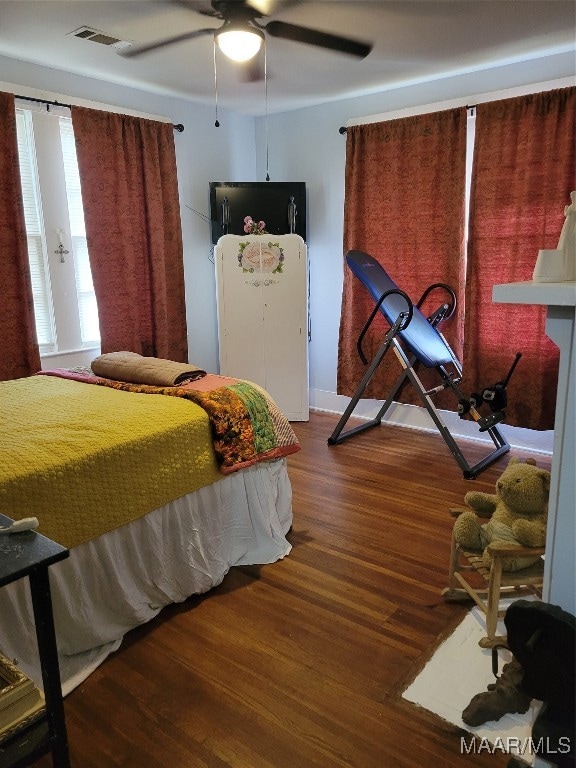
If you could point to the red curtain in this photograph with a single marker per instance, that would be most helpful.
(130, 195)
(404, 205)
(20, 356)
(524, 171)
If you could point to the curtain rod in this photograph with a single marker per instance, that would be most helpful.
(178, 127)
(342, 130)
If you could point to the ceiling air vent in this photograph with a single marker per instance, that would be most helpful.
(95, 36)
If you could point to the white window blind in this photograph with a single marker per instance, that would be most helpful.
(87, 307)
(64, 301)
(43, 310)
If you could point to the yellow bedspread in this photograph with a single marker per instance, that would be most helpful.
(86, 459)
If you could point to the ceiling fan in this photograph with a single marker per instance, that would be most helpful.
(241, 35)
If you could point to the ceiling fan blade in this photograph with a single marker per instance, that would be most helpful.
(321, 39)
(261, 7)
(139, 50)
(268, 7)
(199, 6)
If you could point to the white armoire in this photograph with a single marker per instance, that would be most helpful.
(262, 297)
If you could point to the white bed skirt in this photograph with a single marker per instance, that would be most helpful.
(112, 584)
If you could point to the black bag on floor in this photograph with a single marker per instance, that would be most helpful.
(542, 639)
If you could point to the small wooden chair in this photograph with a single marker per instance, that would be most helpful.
(469, 578)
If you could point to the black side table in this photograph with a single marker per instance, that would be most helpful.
(30, 554)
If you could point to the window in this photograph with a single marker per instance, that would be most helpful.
(64, 299)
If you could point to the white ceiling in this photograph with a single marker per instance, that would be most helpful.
(414, 41)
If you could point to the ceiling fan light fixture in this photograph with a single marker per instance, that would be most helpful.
(239, 43)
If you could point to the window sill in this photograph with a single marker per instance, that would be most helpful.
(68, 352)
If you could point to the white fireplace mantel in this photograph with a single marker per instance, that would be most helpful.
(560, 568)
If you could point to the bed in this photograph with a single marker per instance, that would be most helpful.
(157, 490)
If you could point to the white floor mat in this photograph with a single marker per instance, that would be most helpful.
(458, 671)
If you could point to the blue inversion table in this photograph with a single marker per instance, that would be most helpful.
(415, 339)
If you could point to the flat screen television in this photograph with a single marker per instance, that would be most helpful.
(281, 204)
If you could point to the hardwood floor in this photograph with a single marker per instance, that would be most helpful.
(302, 662)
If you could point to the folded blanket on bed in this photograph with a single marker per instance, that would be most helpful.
(134, 368)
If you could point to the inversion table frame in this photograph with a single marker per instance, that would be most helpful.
(415, 339)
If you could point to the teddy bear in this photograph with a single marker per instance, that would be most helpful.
(518, 513)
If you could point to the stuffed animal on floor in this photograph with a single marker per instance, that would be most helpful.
(518, 513)
(502, 697)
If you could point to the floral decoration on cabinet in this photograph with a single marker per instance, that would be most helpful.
(261, 257)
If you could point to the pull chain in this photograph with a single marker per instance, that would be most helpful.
(266, 103)
(217, 122)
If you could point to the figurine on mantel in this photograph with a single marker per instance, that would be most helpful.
(559, 265)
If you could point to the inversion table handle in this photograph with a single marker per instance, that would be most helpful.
(402, 321)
